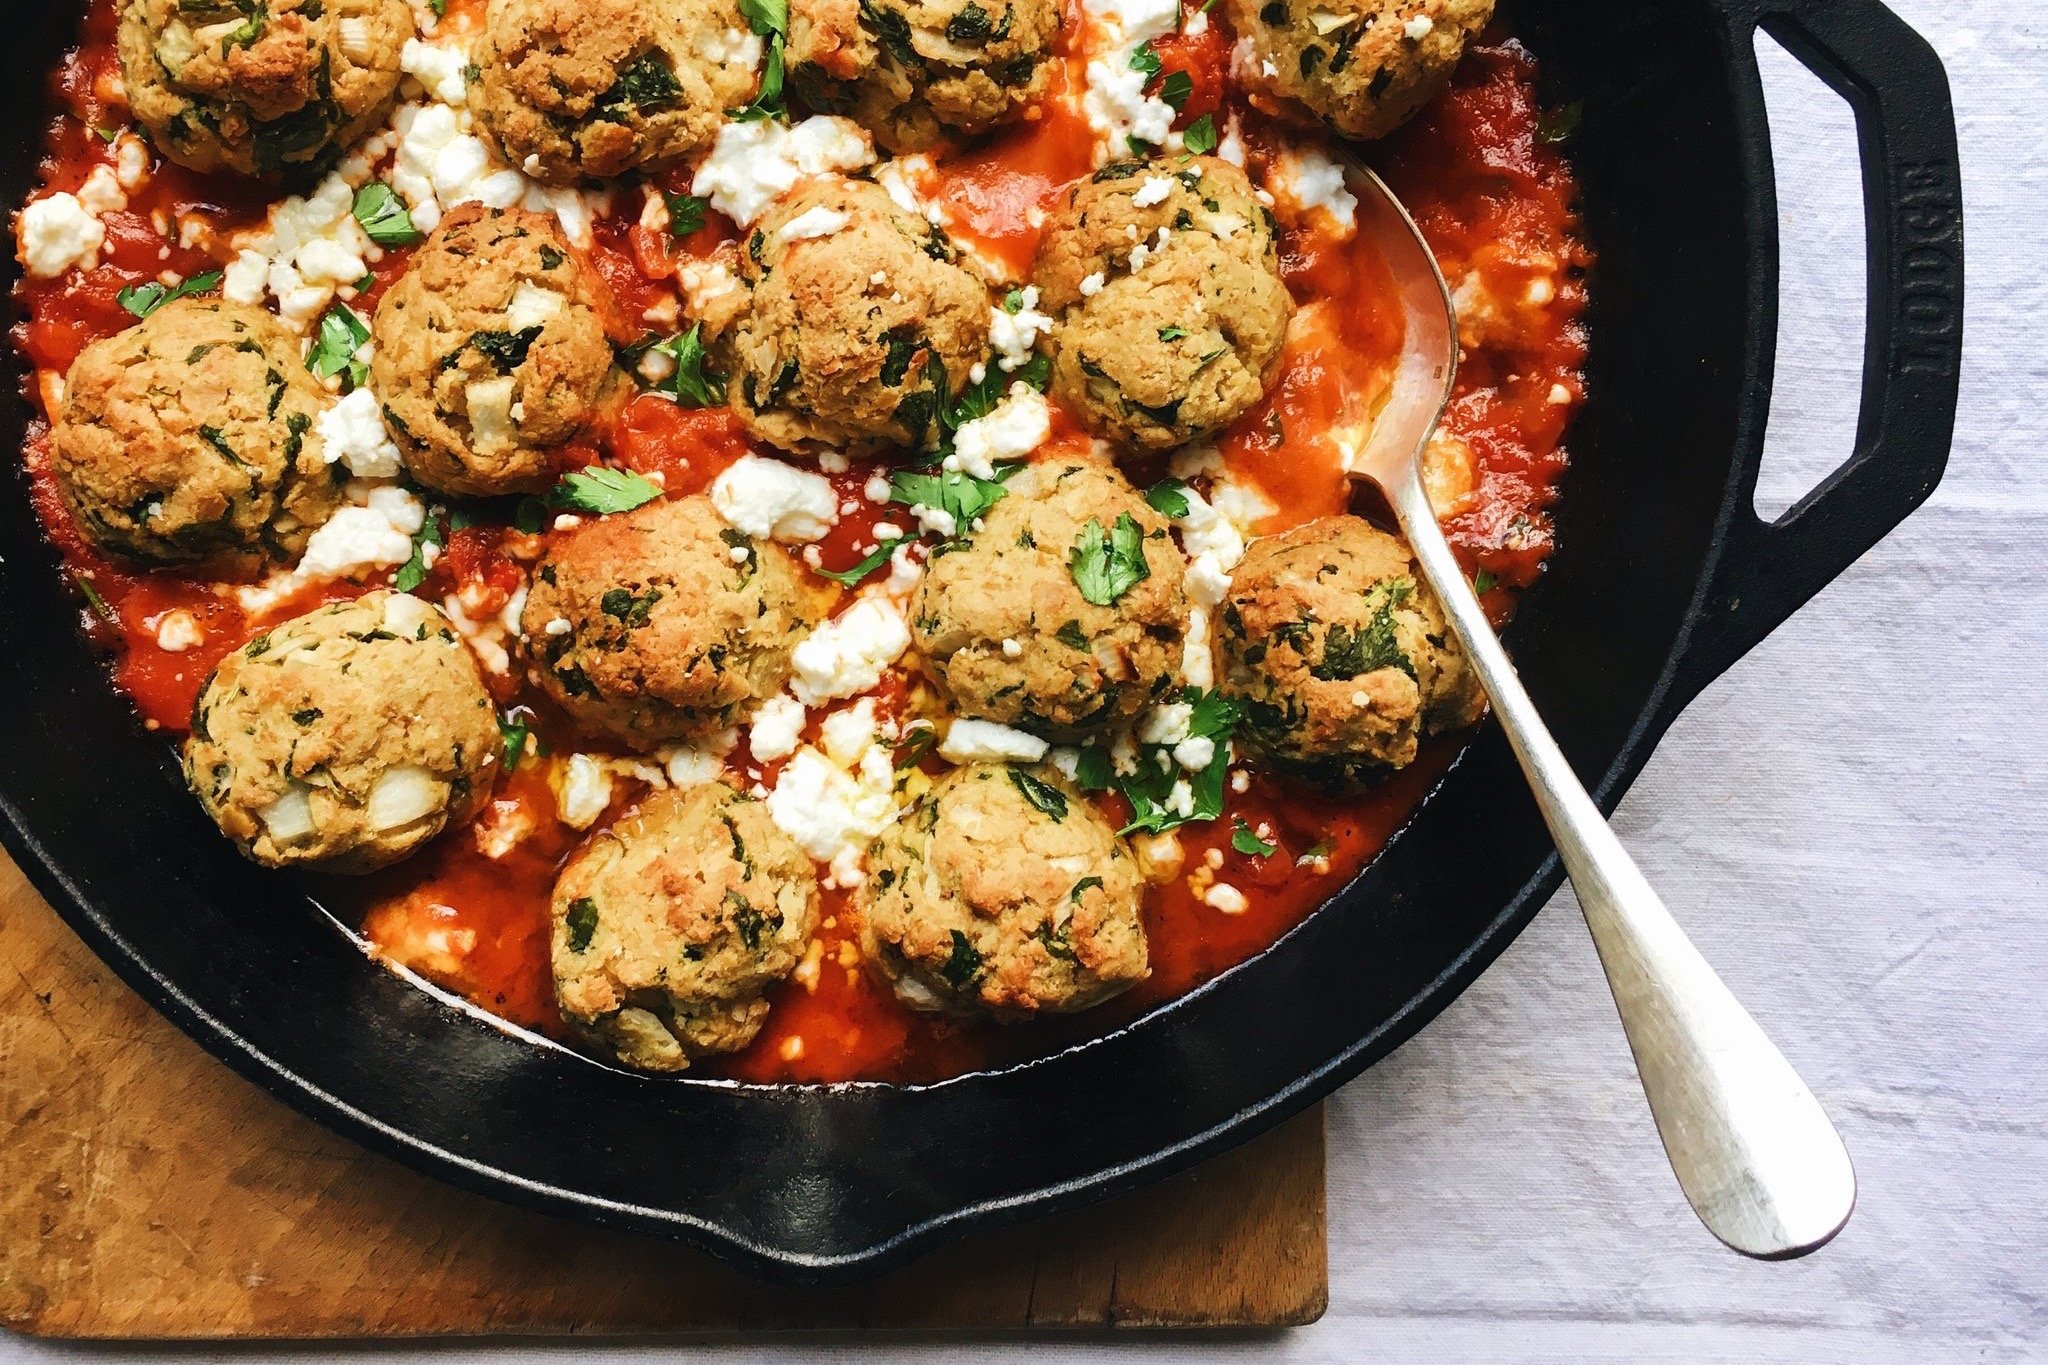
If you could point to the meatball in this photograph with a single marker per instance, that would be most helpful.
(1164, 277)
(492, 354)
(1064, 612)
(919, 73)
(1339, 654)
(1003, 891)
(858, 322)
(344, 738)
(267, 89)
(589, 89)
(665, 623)
(1364, 67)
(669, 926)
(191, 439)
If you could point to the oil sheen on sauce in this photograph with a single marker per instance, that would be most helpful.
(470, 913)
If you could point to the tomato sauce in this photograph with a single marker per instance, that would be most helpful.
(1495, 200)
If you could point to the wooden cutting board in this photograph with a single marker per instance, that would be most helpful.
(147, 1191)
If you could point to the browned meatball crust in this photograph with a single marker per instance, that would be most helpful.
(492, 354)
(921, 73)
(1364, 67)
(1164, 278)
(669, 927)
(1338, 653)
(665, 623)
(345, 738)
(858, 322)
(191, 439)
(270, 89)
(1004, 625)
(1004, 891)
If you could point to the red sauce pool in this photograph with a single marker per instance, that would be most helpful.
(1497, 205)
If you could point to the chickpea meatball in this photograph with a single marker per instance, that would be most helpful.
(492, 353)
(669, 927)
(346, 738)
(266, 89)
(920, 73)
(857, 318)
(1004, 891)
(1065, 612)
(1364, 67)
(589, 89)
(1164, 277)
(190, 439)
(665, 623)
(1339, 654)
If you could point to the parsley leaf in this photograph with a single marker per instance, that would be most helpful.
(693, 385)
(1172, 333)
(1013, 302)
(1200, 136)
(1041, 794)
(341, 334)
(769, 19)
(1176, 88)
(1108, 564)
(1246, 840)
(1484, 582)
(685, 213)
(603, 490)
(384, 217)
(1169, 497)
(513, 728)
(1153, 787)
(915, 744)
(960, 496)
(871, 561)
(963, 965)
(1144, 59)
(144, 299)
(413, 572)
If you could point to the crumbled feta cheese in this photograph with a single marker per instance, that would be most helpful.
(1009, 431)
(352, 433)
(532, 306)
(1197, 663)
(831, 813)
(846, 734)
(937, 520)
(1418, 28)
(354, 541)
(492, 425)
(1314, 181)
(178, 631)
(982, 741)
(1231, 148)
(847, 655)
(768, 498)
(102, 193)
(583, 788)
(56, 233)
(1012, 649)
(753, 163)
(1560, 395)
(1118, 108)
(1135, 20)
(1152, 190)
(777, 728)
(698, 762)
(442, 69)
(730, 47)
(1091, 285)
(1226, 898)
(1013, 336)
(131, 162)
(244, 279)
(815, 221)
(1196, 24)
(1195, 753)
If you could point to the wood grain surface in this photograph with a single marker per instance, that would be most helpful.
(147, 1191)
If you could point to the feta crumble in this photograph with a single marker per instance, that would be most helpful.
(1014, 336)
(1313, 181)
(847, 655)
(352, 433)
(56, 233)
(753, 163)
(767, 498)
(1153, 190)
(1011, 430)
(815, 221)
(777, 728)
(982, 741)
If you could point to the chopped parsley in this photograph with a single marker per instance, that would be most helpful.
(1108, 564)
(869, 562)
(1144, 59)
(1246, 840)
(1484, 582)
(1043, 796)
(694, 384)
(513, 728)
(1169, 497)
(384, 217)
(960, 496)
(582, 921)
(340, 336)
(505, 350)
(645, 83)
(602, 490)
(963, 965)
(769, 19)
(144, 299)
(1176, 88)
(413, 572)
(915, 744)
(1200, 136)
(1154, 787)
(685, 213)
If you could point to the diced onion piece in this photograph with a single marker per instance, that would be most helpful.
(402, 796)
(355, 39)
(289, 818)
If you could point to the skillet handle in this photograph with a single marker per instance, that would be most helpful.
(1906, 127)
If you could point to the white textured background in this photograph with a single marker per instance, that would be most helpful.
(1854, 827)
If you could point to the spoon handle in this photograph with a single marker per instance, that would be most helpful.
(1756, 1155)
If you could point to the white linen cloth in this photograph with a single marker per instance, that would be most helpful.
(1853, 826)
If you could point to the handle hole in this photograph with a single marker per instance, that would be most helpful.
(1822, 293)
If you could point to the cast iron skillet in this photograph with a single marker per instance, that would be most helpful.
(1664, 578)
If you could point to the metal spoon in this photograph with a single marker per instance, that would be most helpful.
(1752, 1148)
